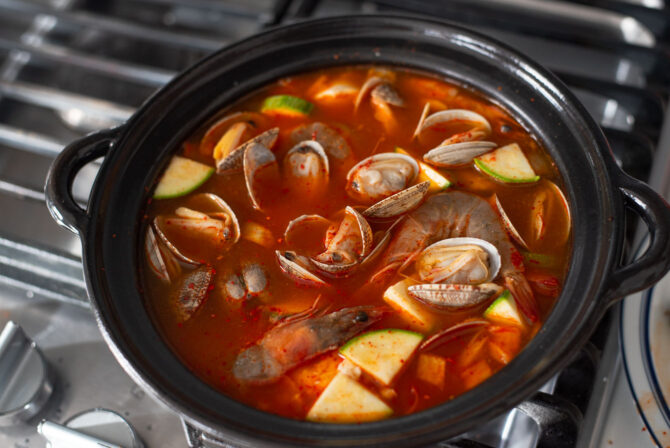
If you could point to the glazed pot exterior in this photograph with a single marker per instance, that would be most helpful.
(112, 226)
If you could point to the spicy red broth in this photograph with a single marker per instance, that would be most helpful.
(275, 318)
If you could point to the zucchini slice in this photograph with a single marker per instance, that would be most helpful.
(286, 105)
(438, 182)
(382, 353)
(507, 164)
(345, 401)
(505, 311)
(181, 177)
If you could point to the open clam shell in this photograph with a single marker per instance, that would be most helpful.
(380, 176)
(377, 249)
(453, 332)
(365, 88)
(457, 154)
(399, 203)
(386, 93)
(233, 161)
(260, 169)
(445, 116)
(508, 224)
(192, 292)
(230, 140)
(450, 261)
(160, 259)
(351, 244)
(307, 164)
(211, 224)
(297, 268)
(330, 139)
(215, 131)
(299, 228)
(453, 296)
(422, 119)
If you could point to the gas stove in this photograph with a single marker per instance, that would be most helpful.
(70, 67)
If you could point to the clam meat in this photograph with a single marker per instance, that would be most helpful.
(298, 268)
(351, 243)
(192, 292)
(232, 160)
(332, 142)
(469, 261)
(380, 176)
(199, 234)
(306, 168)
(250, 282)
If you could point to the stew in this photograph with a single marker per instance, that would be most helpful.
(355, 243)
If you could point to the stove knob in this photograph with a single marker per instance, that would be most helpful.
(25, 377)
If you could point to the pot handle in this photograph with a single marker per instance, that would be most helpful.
(62, 206)
(654, 263)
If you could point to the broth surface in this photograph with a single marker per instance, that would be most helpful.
(210, 340)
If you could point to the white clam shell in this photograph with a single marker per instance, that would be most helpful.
(491, 250)
(445, 116)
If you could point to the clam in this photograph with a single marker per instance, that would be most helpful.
(566, 225)
(215, 132)
(399, 203)
(199, 235)
(380, 241)
(232, 138)
(255, 278)
(250, 282)
(306, 231)
(369, 84)
(233, 160)
(332, 142)
(382, 98)
(456, 154)
(192, 292)
(459, 148)
(234, 287)
(160, 259)
(459, 261)
(336, 91)
(508, 224)
(453, 332)
(422, 118)
(351, 243)
(298, 268)
(453, 296)
(455, 115)
(261, 172)
(380, 176)
(388, 94)
(538, 215)
(306, 166)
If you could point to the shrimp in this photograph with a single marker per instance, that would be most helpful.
(458, 214)
(293, 342)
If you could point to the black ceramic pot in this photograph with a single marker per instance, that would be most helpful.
(135, 153)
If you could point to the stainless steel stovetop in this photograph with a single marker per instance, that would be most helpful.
(69, 67)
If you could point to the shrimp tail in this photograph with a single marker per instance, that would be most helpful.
(523, 295)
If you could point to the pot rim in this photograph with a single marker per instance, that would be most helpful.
(426, 425)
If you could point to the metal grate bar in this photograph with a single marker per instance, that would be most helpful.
(554, 18)
(42, 271)
(21, 191)
(119, 69)
(60, 100)
(113, 25)
(29, 141)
